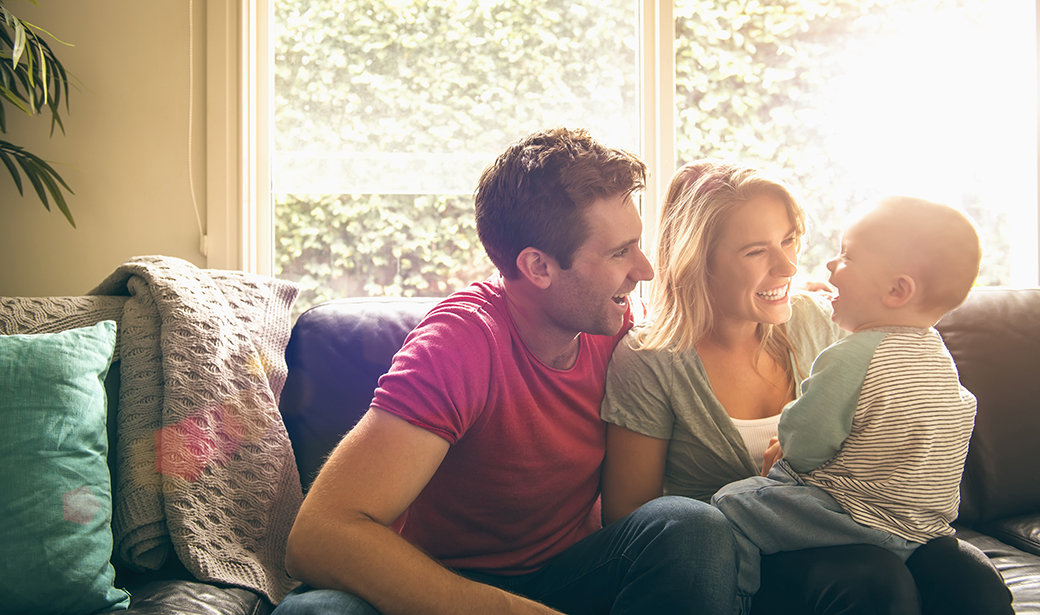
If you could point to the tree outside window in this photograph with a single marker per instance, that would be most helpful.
(386, 111)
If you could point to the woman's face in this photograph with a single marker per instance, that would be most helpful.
(750, 269)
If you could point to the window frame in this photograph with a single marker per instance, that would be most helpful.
(240, 83)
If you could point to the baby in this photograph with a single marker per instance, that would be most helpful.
(874, 448)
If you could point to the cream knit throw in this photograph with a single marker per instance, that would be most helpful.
(204, 461)
(205, 466)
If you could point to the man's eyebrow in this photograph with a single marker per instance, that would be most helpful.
(624, 245)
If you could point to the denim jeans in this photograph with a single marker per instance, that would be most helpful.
(672, 555)
(782, 513)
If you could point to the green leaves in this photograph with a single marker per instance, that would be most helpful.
(44, 179)
(376, 245)
(31, 78)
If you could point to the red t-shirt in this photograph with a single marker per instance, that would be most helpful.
(520, 482)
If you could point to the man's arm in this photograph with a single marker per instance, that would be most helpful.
(340, 539)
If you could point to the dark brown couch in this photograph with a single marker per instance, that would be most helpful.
(339, 349)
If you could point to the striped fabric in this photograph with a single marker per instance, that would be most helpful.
(900, 468)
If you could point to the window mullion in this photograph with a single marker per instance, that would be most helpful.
(657, 105)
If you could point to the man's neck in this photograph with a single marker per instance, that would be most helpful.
(543, 338)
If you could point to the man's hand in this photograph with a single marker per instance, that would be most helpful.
(773, 455)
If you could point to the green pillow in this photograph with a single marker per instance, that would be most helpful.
(55, 490)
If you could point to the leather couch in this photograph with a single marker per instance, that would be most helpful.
(339, 349)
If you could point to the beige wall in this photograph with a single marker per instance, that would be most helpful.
(125, 151)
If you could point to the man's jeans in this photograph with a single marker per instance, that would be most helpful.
(782, 513)
(672, 555)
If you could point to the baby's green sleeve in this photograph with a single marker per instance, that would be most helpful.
(814, 426)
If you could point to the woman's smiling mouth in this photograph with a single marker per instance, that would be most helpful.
(775, 294)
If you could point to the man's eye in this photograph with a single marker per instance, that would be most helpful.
(621, 254)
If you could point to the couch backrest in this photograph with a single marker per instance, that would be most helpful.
(339, 349)
(994, 338)
(337, 352)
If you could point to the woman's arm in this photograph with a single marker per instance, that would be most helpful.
(633, 471)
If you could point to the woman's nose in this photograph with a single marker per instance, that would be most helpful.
(785, 266)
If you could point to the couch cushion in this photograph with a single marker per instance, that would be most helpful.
(1021, 571)
(1021, 532)
(55, 489)
(995, 340)
(337, 352)
(183, 597)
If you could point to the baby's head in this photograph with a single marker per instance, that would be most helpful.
(904, 261)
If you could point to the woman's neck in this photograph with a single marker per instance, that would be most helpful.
(747, 381)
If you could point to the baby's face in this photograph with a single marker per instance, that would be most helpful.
(861, 273)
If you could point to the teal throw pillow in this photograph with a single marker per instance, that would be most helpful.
(55, 488)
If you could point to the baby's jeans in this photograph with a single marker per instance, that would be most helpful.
(781, 513)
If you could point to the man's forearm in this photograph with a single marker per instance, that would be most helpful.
(374, 563)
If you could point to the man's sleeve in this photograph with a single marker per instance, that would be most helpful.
(440, 379)
(814, 426)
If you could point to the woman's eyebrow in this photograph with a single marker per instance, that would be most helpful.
(793, 231)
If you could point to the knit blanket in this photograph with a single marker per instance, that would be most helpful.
(204, 464)
(205, 468)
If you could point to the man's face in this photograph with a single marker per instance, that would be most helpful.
(592, 296)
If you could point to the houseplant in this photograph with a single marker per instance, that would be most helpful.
(31, 80)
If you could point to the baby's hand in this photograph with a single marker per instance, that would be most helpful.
(773, 454)
(816, 286)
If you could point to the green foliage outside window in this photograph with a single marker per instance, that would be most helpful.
(448, 76)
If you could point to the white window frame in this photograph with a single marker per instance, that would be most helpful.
(240, 82)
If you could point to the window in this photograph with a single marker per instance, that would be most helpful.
(384, 113)
(855, 99)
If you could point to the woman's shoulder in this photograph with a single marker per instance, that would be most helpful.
(811, 309)
(810, 303)
(811, 328)
(632, 348)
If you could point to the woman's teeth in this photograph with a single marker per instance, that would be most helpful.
(774, 295)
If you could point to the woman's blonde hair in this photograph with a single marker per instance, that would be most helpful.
(700, 200)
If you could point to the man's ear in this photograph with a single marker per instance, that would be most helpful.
(536, 267)
(901, 291)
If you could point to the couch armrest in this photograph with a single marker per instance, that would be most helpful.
(337, 352)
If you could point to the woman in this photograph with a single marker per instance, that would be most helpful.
(694, 395)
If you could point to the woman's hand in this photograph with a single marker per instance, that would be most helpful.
(773, 455)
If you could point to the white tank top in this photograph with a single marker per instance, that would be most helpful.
(757, 433)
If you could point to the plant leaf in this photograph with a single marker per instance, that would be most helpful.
(12, 169)
(32, 173)
(19, 40)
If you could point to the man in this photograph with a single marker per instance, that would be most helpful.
(472, 483)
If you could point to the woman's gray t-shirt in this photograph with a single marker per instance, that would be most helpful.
(665, 395)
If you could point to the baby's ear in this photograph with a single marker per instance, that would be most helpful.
(901, 291)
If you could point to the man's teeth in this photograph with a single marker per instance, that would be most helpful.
(773, 295)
